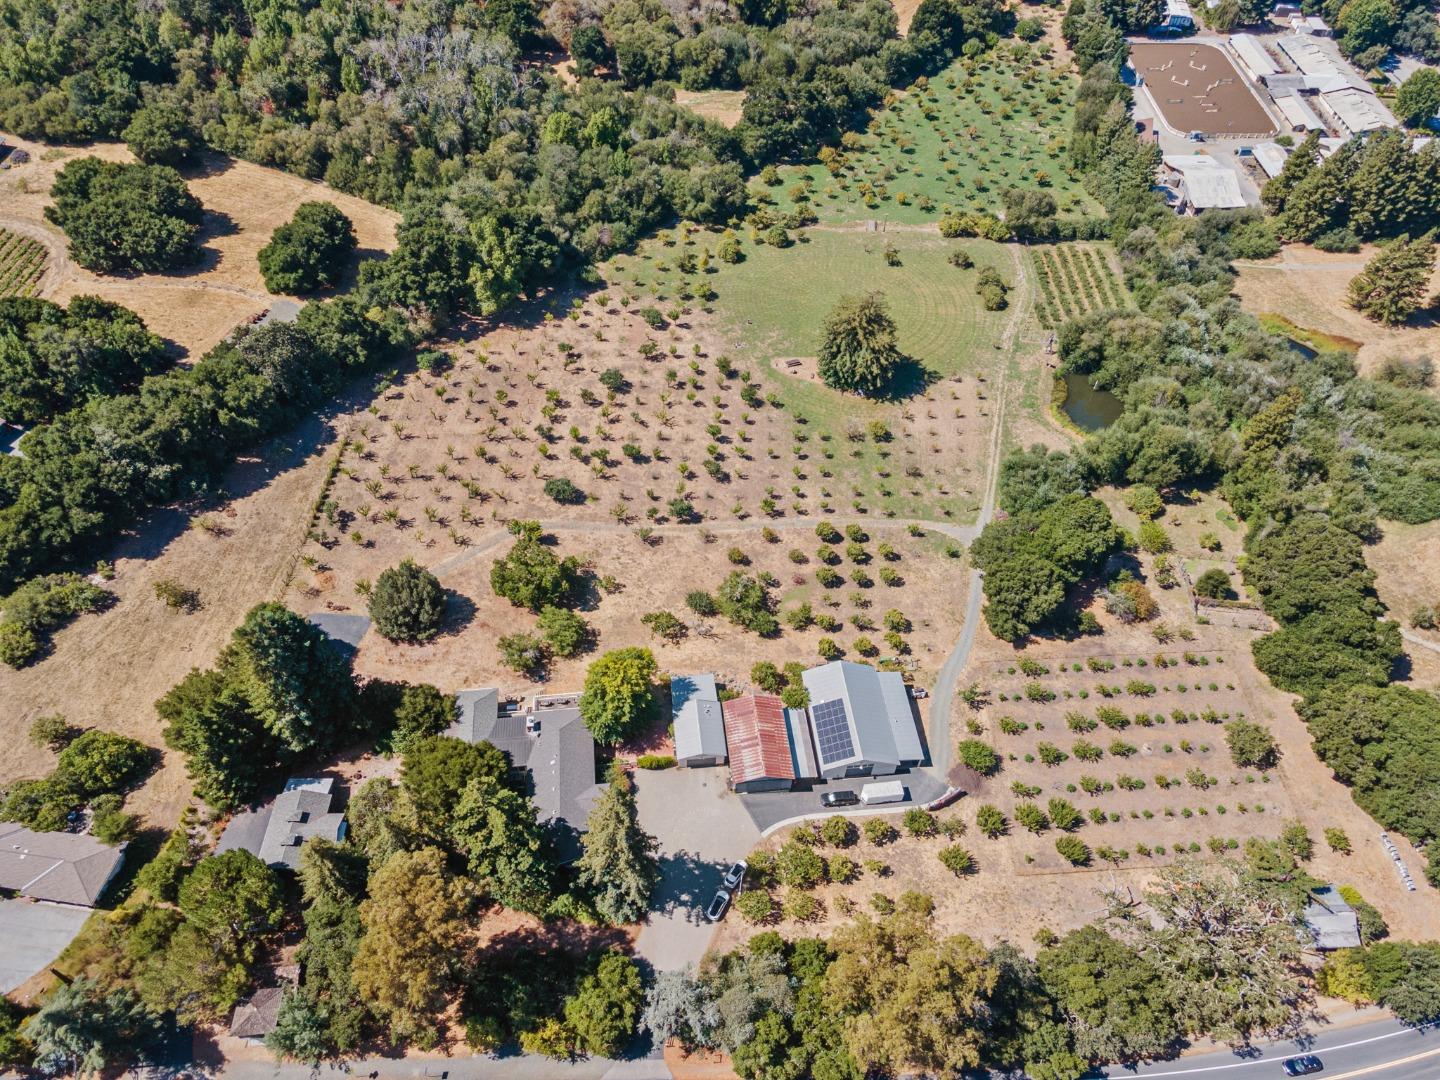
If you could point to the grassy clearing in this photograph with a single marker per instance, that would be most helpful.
(771, 306)
(952, 143)
(22, 261)
(1074, 280)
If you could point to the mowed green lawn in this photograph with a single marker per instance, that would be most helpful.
(773, 305)
(777, 298)
(954, 142)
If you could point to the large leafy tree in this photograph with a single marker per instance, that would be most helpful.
(913, 1001)
(406, 963)
(407, 602)
(1225, 950)
(618, 865)
(496, 828)
(858, 351)
(310, 251)
(1418, 100)
(1114, 999)
(1033, 557)
(619, 694)
(606, 1005)
(531, 575)
(55, 358)
(82, 1030)
(125, 217)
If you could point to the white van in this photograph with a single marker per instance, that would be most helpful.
(889, 791)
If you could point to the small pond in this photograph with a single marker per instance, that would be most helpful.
(1090, 409)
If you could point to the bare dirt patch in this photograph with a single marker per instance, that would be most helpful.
(197, 307)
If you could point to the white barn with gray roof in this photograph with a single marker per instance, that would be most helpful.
(698, 721)
(862, 721)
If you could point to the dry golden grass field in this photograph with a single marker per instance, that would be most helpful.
(1308, 287)
(196, 307)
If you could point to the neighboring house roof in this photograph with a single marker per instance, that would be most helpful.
(755, 733)
(698, 720)
(475, 711)
(850, 714)
(550, 742)
(63, 867)
(258, 1015)
(1271, 158)
(275, 832)
(1209, 184)
(1332, 922)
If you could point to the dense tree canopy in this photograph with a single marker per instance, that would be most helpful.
(1033, 557)
(53, 358)
(126, 217)
(310, 251)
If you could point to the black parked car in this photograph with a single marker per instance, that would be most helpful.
(839, 798)
(1302, 1066)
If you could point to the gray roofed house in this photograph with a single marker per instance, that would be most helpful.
(62, 867)
(1332, 922)
(862, 723)
(258, 1015)
(475, 710)
(276, 831)
(552, 744)
(698, 721)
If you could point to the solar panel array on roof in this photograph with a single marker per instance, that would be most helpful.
(832, 729)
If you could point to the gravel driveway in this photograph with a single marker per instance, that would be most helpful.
(702, 829)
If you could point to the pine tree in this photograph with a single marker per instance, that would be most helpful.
(1300, 164)
(497, 829)
(1392, 286)
(619, 861)
(857, 349)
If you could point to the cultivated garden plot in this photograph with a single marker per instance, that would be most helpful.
(22, 262)
(952, 143)
(1128, 753)
(1075, 280)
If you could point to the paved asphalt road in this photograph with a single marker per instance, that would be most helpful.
(1379, 1050)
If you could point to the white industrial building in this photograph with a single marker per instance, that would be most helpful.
(1298, 114)
(1253, 57)
(1270, 157)
(1197, 182)
(1355, 112)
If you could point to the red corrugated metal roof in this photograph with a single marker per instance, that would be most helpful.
(755, 737)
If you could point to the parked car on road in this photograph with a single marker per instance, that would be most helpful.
(839, 798)
(1302, 1066)
(716, 911)
(918, 692)
(735, 875)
